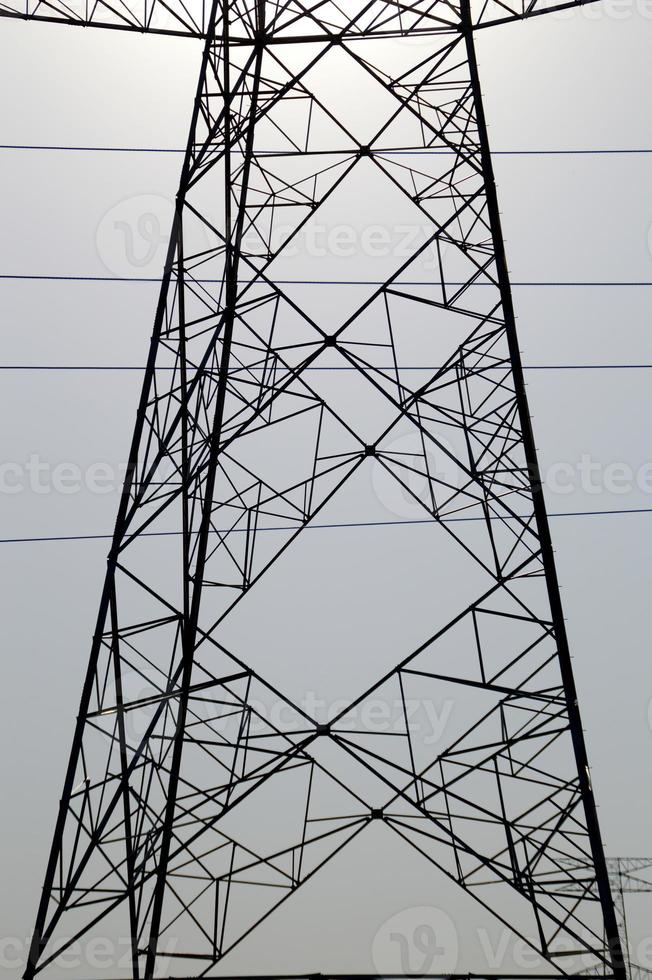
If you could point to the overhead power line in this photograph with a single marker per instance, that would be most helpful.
(331, 527)
(598, 151)
(327, 282)
(385, 367)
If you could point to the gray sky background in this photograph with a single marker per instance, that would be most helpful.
(575, 81)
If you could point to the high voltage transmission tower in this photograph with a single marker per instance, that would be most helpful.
(202, 792)
(628, 876)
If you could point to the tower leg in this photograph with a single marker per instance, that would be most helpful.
(575, 724)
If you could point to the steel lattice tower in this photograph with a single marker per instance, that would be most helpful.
(627, 876)
(238, 433)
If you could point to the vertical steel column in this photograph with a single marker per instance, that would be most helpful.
(547, 553)
(193, 579)
(39, 936)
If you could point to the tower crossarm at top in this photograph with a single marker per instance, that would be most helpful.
(178, 19)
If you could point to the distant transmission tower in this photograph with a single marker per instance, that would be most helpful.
(628, 876)
(271, 405)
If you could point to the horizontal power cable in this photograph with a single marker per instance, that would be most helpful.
(598, 151)
(341, 525)
(323, 282)
(311, 368)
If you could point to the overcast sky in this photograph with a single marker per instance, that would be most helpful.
(578, 81)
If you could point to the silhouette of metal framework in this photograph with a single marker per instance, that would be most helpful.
(243, 439)
(628, 876)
